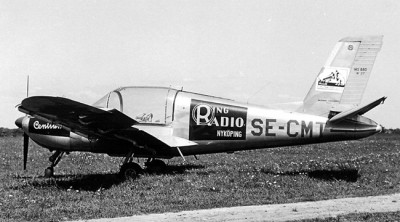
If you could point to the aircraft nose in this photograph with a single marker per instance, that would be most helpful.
(18, 122)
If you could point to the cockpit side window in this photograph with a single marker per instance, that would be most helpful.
(102, 103)
(144, 104)
(115, 101)
(112, 100)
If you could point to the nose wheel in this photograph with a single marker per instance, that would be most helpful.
(54, 159)
(49, 172)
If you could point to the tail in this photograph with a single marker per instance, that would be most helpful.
(341, 82)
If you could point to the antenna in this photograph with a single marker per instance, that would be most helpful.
(252, 95)
(27, 86)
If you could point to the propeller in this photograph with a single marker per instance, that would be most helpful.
(18, 122)
(26, 144)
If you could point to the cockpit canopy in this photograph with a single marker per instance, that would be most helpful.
(153, 105)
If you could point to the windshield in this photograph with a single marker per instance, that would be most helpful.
(143, 104)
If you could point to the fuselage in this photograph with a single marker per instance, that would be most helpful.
(214, 124)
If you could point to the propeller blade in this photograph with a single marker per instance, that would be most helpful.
(26, 144)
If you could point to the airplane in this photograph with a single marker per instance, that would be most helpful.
(162, 122)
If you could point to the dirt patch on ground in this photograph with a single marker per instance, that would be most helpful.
(277, 212)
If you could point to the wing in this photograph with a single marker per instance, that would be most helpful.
(75, 116)
(87, 121)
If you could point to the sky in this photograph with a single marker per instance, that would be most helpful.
(261, 52)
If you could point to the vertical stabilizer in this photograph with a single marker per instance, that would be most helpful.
(341, 82)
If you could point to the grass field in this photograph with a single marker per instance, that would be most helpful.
(86, 185)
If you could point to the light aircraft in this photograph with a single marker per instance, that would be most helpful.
(161, 122)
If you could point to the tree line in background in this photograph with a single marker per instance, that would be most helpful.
(10, 132)
(18, 132)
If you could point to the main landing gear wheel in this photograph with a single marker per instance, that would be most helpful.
(155, 166)
(130, 171)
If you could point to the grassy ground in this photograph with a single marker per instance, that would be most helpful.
(86, 185)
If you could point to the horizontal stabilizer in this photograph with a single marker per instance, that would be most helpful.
(356, 111)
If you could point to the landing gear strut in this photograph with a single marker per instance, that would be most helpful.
(54, 159)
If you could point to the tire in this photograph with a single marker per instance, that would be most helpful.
(49, 172)
(130, 171)
(156, 166)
